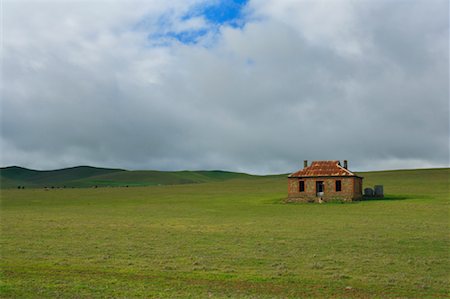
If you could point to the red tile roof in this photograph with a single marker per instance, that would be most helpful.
(323, 168)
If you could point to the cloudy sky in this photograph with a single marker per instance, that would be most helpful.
(253, 86)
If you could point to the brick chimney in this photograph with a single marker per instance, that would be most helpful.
(345, 164)
(305, 163)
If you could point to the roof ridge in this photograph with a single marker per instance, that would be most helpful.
(345, 169)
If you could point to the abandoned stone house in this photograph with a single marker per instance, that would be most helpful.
(324, 181)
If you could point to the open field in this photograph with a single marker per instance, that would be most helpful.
(230, 238)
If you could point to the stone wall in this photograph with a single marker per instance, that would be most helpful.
(351, 189)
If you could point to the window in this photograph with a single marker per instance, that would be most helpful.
(338, 186)
(301, 186)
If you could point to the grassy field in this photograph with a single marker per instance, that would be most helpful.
(232, 238)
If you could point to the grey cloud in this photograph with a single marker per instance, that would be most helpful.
(82, 87)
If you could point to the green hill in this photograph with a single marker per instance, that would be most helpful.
(152, 177)
(86, 176)
(11, 177)
(406, 181)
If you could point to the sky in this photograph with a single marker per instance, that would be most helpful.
(250, 86)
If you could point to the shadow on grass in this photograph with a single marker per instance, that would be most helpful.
(365, 199)
(389, 197)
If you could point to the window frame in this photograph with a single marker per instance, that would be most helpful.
(338, 186)
(301, 186)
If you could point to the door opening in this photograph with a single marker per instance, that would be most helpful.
(319, 188)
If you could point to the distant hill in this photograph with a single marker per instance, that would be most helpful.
(11, 177)
(86, 176)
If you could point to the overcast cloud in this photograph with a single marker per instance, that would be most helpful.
(161, 85)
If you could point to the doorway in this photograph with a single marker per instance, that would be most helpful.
(319, 188)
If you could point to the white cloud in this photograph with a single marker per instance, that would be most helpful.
(362, 80)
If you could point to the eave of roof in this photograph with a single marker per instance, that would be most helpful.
(326, 176)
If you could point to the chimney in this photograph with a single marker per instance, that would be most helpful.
(345, 164)
(305, 163)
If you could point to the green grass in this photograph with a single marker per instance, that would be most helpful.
(152, 178)
(86, 176)
(232, 238)
(11, 177)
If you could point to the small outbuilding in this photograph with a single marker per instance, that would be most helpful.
(324, 181)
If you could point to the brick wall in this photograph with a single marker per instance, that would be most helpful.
(351, 189)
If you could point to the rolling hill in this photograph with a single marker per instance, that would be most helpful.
(11, 177)
(87, 176)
